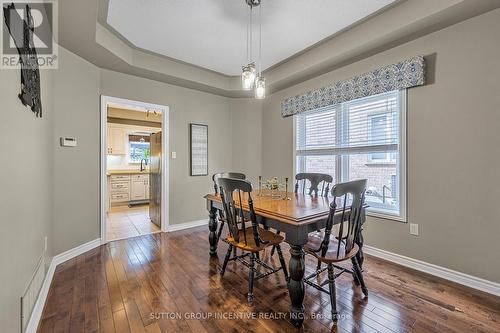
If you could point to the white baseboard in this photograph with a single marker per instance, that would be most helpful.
(44, 291)
(442, 272)
(187, 225)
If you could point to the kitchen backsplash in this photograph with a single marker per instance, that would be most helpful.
(120, 162)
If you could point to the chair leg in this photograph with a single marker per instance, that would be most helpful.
(250, 277)
(324, 249)
(333, 296)
(226, 260)
(282, 261)
(219, 233)
(274, 246)
(360, 275)
(354, 274)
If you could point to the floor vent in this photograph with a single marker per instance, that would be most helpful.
(31, 293)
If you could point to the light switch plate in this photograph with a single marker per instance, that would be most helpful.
(414, 229)
(68, 142)
(174, 154)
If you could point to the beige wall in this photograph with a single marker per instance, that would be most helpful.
(453, 134)
(76, 170)
(247, 137)
(26, 191)
(186, 106)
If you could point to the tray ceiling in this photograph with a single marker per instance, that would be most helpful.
(212, 33)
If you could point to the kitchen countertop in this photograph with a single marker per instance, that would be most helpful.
(126, 172)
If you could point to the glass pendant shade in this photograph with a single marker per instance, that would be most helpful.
(248, 76)
(260, 88)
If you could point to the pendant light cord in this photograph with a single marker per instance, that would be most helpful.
(251, 37)
(248, 31)
(260, 39)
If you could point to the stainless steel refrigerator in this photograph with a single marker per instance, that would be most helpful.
(155, 179)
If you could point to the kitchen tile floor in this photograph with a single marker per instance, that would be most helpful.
(125, 222)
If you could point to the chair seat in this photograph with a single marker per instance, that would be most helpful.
(265, 235)
(331, 256)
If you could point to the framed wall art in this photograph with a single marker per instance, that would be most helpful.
(198, 139)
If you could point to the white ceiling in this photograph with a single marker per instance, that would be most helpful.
(212, 33)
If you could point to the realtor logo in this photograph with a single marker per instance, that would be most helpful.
(28, 32)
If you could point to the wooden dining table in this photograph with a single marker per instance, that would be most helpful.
(295, 215)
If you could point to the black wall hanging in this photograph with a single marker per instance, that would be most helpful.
(21, 30)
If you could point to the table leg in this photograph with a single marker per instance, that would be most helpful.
(296, 285)
(212, 236)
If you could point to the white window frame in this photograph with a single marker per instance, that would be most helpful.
(342, 169)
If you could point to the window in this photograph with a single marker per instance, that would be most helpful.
(364, 138)
(138, 148)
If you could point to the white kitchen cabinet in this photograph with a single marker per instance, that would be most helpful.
(139, 187)
(117, 140)
(119, 189)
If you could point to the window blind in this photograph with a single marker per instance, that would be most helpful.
(365, 125)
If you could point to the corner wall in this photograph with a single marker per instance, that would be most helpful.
(76, 169)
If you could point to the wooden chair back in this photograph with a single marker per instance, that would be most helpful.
(353, 195)
(216, 176)
(314, 179)
(232, 192)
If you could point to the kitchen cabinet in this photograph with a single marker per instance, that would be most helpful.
(126, 187)
(139, 187)
(119, 188)
(116, 140)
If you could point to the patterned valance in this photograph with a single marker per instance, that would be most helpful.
(405, 74)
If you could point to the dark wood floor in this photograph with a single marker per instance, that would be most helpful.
(157, 283)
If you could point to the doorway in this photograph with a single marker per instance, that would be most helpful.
(134, 168)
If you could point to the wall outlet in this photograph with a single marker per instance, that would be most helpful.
(46, 243)
(174, 154)
(414, 229)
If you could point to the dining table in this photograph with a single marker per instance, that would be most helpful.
(295, 215)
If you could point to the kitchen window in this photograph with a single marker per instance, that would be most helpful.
(363, 138)
(138, 148)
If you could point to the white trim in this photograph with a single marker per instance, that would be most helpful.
(442, 272)
(36, 314)
(187, 225)
(74, 252)
(165, 207)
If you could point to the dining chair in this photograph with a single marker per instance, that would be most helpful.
(334, 249)
(215, 177)
(237, 175)
(251, 240)
(315, 179)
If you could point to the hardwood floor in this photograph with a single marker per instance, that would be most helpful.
(168, 283)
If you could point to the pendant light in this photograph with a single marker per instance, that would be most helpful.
(249, 79)
(260, 81)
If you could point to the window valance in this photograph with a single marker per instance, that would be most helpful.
(404, 74)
